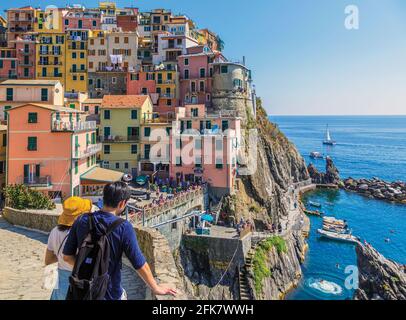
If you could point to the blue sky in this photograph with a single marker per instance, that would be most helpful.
(304, 60)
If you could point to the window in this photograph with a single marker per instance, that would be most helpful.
(224, 125)
(66, 22)
(86, 108)
(116, 40)
(219, 163)
(224, 69)
(32, 117)
(32, 144)
(92, 40)
(201, 86)
(134, 114)
(147, 131)
(82, 55)
(186, 61)
(126, 165)
(134, 149)
(113, 80)
(147, 149)
(125, 39)
(189, 124)
(178, 161)
(74, 78)
(76, 167)
(94, 23)
(82, 78)
(117, 165)
(144, 91)
(4, 140)
(44, 94)
(168, 102)
(198, 162)
(195, 112)
(9, 94)
(106, 149)
(202, 72)
(193, 86)
(74, 55)
(1, 64)
(186, 74)
(107, 115)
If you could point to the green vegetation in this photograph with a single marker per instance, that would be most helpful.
(259, 261)
(21, 197)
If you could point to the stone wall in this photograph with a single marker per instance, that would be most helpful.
(210, 265)
(152, 243)
(43, 220)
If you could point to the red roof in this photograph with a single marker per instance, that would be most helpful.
(127, 101)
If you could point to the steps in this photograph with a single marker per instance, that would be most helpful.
(245, 291)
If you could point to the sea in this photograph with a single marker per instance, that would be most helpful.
(367, 147)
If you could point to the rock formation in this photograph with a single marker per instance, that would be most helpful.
(377, 189)
(263, 198)
(379, 278)
(332, 175)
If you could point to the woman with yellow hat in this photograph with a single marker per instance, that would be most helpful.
(73, 207)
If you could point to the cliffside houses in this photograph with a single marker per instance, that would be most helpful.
(90, 94)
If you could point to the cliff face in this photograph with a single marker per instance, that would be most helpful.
(263, 198)
(379, 278)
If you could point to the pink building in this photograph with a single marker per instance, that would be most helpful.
(52, 148)
(209, 152)
(196, 75)
(141, 83)
(8, 63)
(81, 19)
(25, 54)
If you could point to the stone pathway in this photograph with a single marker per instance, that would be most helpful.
(22, 267)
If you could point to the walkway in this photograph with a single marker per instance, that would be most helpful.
(22, 268)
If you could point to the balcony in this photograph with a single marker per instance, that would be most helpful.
(49, 75)
(89, 151)
(26, 64)
(78, 70)
(119, 139)
(35, 182)
(26, 52)
(167, 95)
(67, 126)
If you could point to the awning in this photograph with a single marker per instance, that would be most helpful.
(101, 175)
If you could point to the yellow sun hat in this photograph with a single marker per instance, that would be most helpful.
(72, 208)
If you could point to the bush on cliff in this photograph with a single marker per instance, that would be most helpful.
(21, 197)
(261, 269)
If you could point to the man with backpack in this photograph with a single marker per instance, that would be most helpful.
(95, 246)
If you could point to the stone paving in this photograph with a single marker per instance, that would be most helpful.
(22, 267)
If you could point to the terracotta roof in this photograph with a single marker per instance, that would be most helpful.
(47, 106)
(99, 101)
(123, 102)
(29, 82)
(102, 175)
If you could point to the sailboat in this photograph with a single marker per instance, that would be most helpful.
(328, 141)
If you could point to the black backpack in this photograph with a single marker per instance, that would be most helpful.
(90, 279)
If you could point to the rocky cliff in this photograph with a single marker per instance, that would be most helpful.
(263, 197)
(379, 278)
(332, 175)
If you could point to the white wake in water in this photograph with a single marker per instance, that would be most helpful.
(325, 286)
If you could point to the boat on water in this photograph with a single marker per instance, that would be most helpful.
(315, 204)
(346, 237)
(334, 221)
(328, 140)
(316, 155)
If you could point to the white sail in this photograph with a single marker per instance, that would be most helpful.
(328, 137)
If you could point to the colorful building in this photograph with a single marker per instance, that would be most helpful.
(36, 133)
(17, 92)
(82, 19)
(26, 56)
(76, 79)
(19, 21)
(8, 63)
(51, 56)
(215, 144)
(127, 19)
(121, 118)
(3, 159)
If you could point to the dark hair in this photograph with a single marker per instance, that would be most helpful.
(62, 227)
(114, 193)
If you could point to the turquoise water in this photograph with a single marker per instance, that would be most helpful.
(366, 147)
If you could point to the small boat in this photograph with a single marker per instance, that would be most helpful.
(316, 155)
(315, 204)
(334, 221)
(328, 141)
(338, 236)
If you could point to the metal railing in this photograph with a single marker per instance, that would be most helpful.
(118, 138)
(58, 125)
(90, 150)
(34, 181)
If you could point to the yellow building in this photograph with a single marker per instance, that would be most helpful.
(76, 61)
(120, 123)
(51, 53)
(49, 21)
(3, 148)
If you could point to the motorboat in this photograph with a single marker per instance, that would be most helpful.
(315, 204)
(328, 140)
(316, 155)
(345, 237)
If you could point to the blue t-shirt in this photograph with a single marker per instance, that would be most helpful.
(122, 239)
